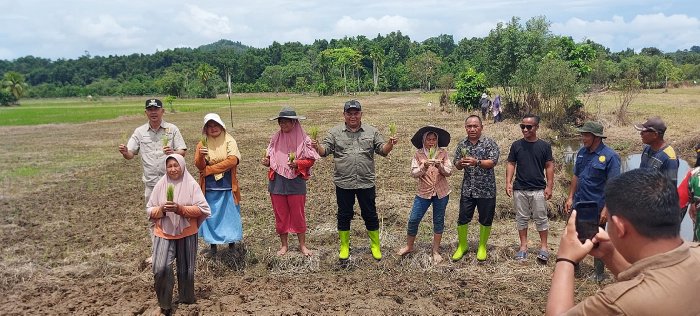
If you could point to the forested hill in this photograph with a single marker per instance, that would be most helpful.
(507, 57)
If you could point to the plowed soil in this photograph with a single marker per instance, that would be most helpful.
(74, 237)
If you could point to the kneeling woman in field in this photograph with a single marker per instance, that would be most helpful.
(290, 157)
(177, 207)
(431, 166)
(217, 159)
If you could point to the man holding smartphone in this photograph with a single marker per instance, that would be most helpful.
(595, 164)
(656, 270)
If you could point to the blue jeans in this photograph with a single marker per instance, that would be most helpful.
(420, 206)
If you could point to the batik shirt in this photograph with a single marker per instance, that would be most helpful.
(478, 182)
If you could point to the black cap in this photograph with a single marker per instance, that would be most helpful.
(352, 104)
(154, 103)
(654, 124)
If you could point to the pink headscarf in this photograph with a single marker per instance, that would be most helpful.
(187, 192)
(281, 144)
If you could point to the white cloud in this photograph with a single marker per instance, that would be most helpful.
(107, 31)
(469, 30)
(204, 23)
(370, 27)
(666, 32)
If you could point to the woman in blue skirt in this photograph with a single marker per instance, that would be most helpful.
(217, 159)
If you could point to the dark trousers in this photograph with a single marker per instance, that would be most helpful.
(184, 252)
(346, 202)
(486, 206)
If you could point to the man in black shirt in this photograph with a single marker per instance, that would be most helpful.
(528, 158)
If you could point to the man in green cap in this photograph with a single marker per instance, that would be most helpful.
(595, 164)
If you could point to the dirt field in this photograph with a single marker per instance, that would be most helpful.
(74, 233)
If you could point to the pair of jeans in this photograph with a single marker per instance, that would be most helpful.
(420, 206)
(346, 202)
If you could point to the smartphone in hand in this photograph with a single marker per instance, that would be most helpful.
(587, 219)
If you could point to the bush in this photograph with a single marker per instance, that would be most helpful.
(6, 98)
(470, 85)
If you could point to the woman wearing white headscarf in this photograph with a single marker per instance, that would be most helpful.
(176, 219)
(217, 158)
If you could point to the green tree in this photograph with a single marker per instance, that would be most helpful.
(344, 58)
(14, 82)
(423, 68)
(205, 73)
(377, 56)
(273, 76)
(470, 85)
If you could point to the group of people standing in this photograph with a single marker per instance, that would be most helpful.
(180, 208)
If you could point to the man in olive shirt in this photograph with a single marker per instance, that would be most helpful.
(353, 146)
(656, 270)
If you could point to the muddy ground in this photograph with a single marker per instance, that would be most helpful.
(74, 234)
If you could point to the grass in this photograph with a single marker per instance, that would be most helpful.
(78, 110)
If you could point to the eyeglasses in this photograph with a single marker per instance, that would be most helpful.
(527, 127)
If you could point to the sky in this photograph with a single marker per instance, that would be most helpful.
(69, 29)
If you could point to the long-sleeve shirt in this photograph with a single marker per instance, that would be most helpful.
(433, 181)
(353, 154)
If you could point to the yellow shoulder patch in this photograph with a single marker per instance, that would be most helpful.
(670, 152)
(601, 158)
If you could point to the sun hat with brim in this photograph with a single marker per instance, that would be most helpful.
(288, 113)
(594, 128)
(443, 136)
(212, 117)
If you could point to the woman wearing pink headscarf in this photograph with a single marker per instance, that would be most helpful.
(177, 219)
(290, 157)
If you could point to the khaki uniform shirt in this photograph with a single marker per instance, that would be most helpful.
(664, 284)
(148, 143)
(353, 154)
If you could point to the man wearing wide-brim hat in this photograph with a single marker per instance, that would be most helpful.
(656, 153)
(353, 146)
(595, 164)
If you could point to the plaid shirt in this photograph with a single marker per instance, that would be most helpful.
(478, 182)
(432, 181)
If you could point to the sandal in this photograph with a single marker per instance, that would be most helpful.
(543, 256)
(521, 255)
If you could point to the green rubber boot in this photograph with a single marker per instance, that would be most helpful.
(344, 236)
(374, 244)
(462, 245)
(484, 232)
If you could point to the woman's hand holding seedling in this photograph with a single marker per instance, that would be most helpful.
(292, 160)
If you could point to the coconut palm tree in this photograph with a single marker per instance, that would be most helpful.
(14, 81)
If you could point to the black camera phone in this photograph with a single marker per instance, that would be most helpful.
(587, 219)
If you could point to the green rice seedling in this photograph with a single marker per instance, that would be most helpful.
(431, 153)
(465, 152)
(313, 132)
(392, 129)
(125, 138)
(165, 141)
(203, 140)
(292, 156)
(170, 192)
